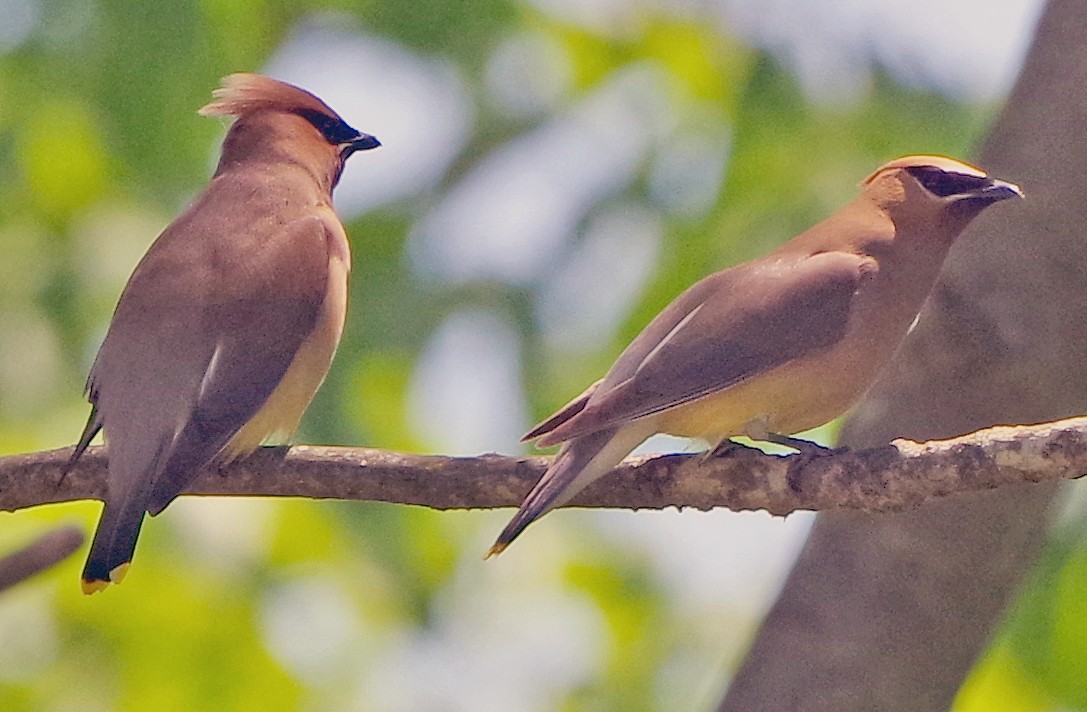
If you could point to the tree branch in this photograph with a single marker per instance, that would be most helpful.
(47, 550)
(893, 477)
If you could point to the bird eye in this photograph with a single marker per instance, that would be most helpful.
(334, 129)
(946, 183)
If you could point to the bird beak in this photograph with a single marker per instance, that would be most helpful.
(364, 142)
(1000, 190)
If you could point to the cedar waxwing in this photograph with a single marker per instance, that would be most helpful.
(778, 345)
(228, 324)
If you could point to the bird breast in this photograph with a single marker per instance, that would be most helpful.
(281, 413)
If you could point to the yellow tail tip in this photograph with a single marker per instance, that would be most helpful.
(117, 575)
(495, 551)
(90, 586)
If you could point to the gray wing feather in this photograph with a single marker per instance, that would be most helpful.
(727, 328)
(202, 335)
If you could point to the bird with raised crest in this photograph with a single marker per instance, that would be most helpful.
(228, 325)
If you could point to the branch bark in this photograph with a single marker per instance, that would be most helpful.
(892, 477)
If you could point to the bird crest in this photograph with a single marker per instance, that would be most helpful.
(243, 94)
(941, 163)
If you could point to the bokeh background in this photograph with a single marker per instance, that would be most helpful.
(552, 173)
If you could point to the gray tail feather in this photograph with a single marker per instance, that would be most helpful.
(119, 526)
(114, 543)
(569, 473)
(94, 424)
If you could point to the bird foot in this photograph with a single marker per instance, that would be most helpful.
(725, 448)
(806, 452)
(279, 452)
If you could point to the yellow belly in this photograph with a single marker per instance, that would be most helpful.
(800, 395)
(281, 413)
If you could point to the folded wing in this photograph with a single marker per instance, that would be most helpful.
(727, 328)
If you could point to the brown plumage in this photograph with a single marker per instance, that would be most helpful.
(228, 324)
(778, 345)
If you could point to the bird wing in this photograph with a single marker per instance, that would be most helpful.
(205, 330)
(563, 414)
(725, 329)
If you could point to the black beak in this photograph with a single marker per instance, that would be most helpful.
(364, 142)
(1001, 190)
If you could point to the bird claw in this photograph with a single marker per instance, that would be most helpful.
(278, 452)
(725, 448)
(806, 452)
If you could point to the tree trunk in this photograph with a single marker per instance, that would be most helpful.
(890, 612)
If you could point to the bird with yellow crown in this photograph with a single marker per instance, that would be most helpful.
(778, 345)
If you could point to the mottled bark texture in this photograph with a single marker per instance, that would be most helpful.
(889, 613)
(887, 478)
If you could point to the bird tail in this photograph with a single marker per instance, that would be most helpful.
(580, 462)
(94, 424)
(113, 545)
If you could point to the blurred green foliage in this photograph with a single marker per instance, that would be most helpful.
(100, 148)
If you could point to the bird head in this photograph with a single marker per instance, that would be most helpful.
(935, 187)
(279, 121)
